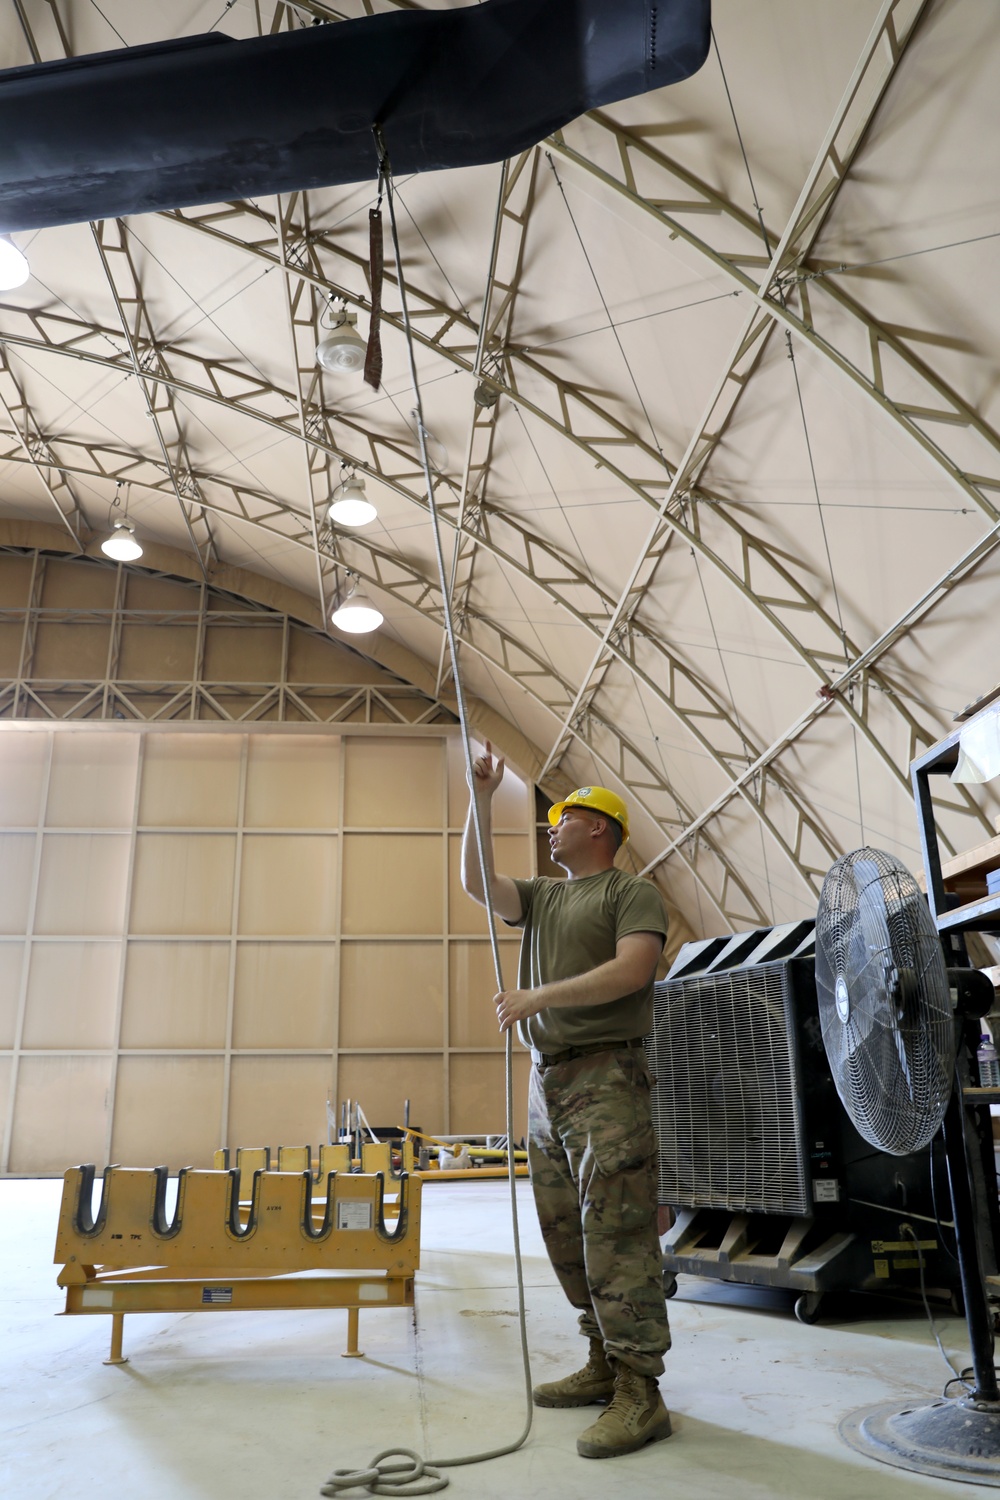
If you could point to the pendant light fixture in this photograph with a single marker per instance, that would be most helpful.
(354, 612)
(349, 505)
(121, 545)
(342, 352)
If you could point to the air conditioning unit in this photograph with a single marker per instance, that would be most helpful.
(770, 1182)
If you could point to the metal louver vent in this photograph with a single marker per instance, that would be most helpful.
(726, 1100)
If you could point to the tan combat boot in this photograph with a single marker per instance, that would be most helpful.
(635, 1417)
(595, 1382)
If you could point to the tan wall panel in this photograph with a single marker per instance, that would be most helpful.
(313, 659)
(293, 781)
(393, 783)
(157, 653)
(190, 780)
(72, 996)
(23, 758)
(145, 591)
(381, 1084)
(71, 652)
(92, 781)
(11, 962)
(82, 884)
(288, 884)
(78, 584)
(167, 1110)
(60, 1113)
(175, 995)
(392, 884)
(511, 802)
(17, 855)
(15, 581)
(391, 995)
(513, 857)
(473, 985)
(243, 654)
(285, 995)
(183, 883)
(279, 1101)
(479, 1095)
(388, 994)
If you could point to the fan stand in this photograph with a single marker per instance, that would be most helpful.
(951, 1439)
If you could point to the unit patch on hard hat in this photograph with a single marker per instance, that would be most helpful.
(585, 791)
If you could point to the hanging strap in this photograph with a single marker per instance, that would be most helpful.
(376, 262)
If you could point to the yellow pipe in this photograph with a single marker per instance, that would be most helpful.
(465, 1173)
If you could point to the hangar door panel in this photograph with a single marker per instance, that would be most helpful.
(209, 932)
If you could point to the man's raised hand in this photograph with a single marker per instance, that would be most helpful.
(488, 775)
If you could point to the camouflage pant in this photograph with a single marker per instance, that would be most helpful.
(593, 1170)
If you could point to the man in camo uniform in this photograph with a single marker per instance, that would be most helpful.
(588, 956)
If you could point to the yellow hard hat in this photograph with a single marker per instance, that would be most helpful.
(598, 799)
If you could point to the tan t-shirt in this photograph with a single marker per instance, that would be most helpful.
(571, 927)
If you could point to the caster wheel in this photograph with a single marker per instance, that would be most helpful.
(669, 1285)
(807, 1307)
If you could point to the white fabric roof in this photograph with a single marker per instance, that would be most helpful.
(745, 448)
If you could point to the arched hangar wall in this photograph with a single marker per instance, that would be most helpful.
(229, 848)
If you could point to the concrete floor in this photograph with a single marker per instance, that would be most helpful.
(262, 1407)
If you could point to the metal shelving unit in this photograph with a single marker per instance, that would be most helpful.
(981, 915)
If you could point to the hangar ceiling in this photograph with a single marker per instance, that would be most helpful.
(726, 537)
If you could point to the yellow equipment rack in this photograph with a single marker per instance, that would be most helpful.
(242, 1237)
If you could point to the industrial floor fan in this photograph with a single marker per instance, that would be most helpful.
(890, 1012)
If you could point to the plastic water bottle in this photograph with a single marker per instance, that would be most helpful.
(988, 1063)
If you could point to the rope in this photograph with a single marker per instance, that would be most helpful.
(390, 1479)
(420, 1476)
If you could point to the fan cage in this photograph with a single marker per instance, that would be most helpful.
(726, 1101)
(892, 1050)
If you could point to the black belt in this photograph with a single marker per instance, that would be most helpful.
(569, 1054)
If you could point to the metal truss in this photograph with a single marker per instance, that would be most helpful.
(764, 578)
(111, 238)
(664, 676)
(788, 273)
(612, 749)
(254, 397)
(115, 696)
(856, 674)
(396, 466)
(36, 451)
(303, 310)
(112, 244)
(514, 204)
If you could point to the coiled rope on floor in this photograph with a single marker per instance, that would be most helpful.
(417, 1476)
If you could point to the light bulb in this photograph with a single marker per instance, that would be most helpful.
(343, 350)
(14, 269)
(357, 615)
(121, 544)
(348, 505)
(352, 511)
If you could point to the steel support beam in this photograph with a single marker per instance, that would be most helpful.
(506, 264)
(303, 313)
(111, 240)
(35, 450)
